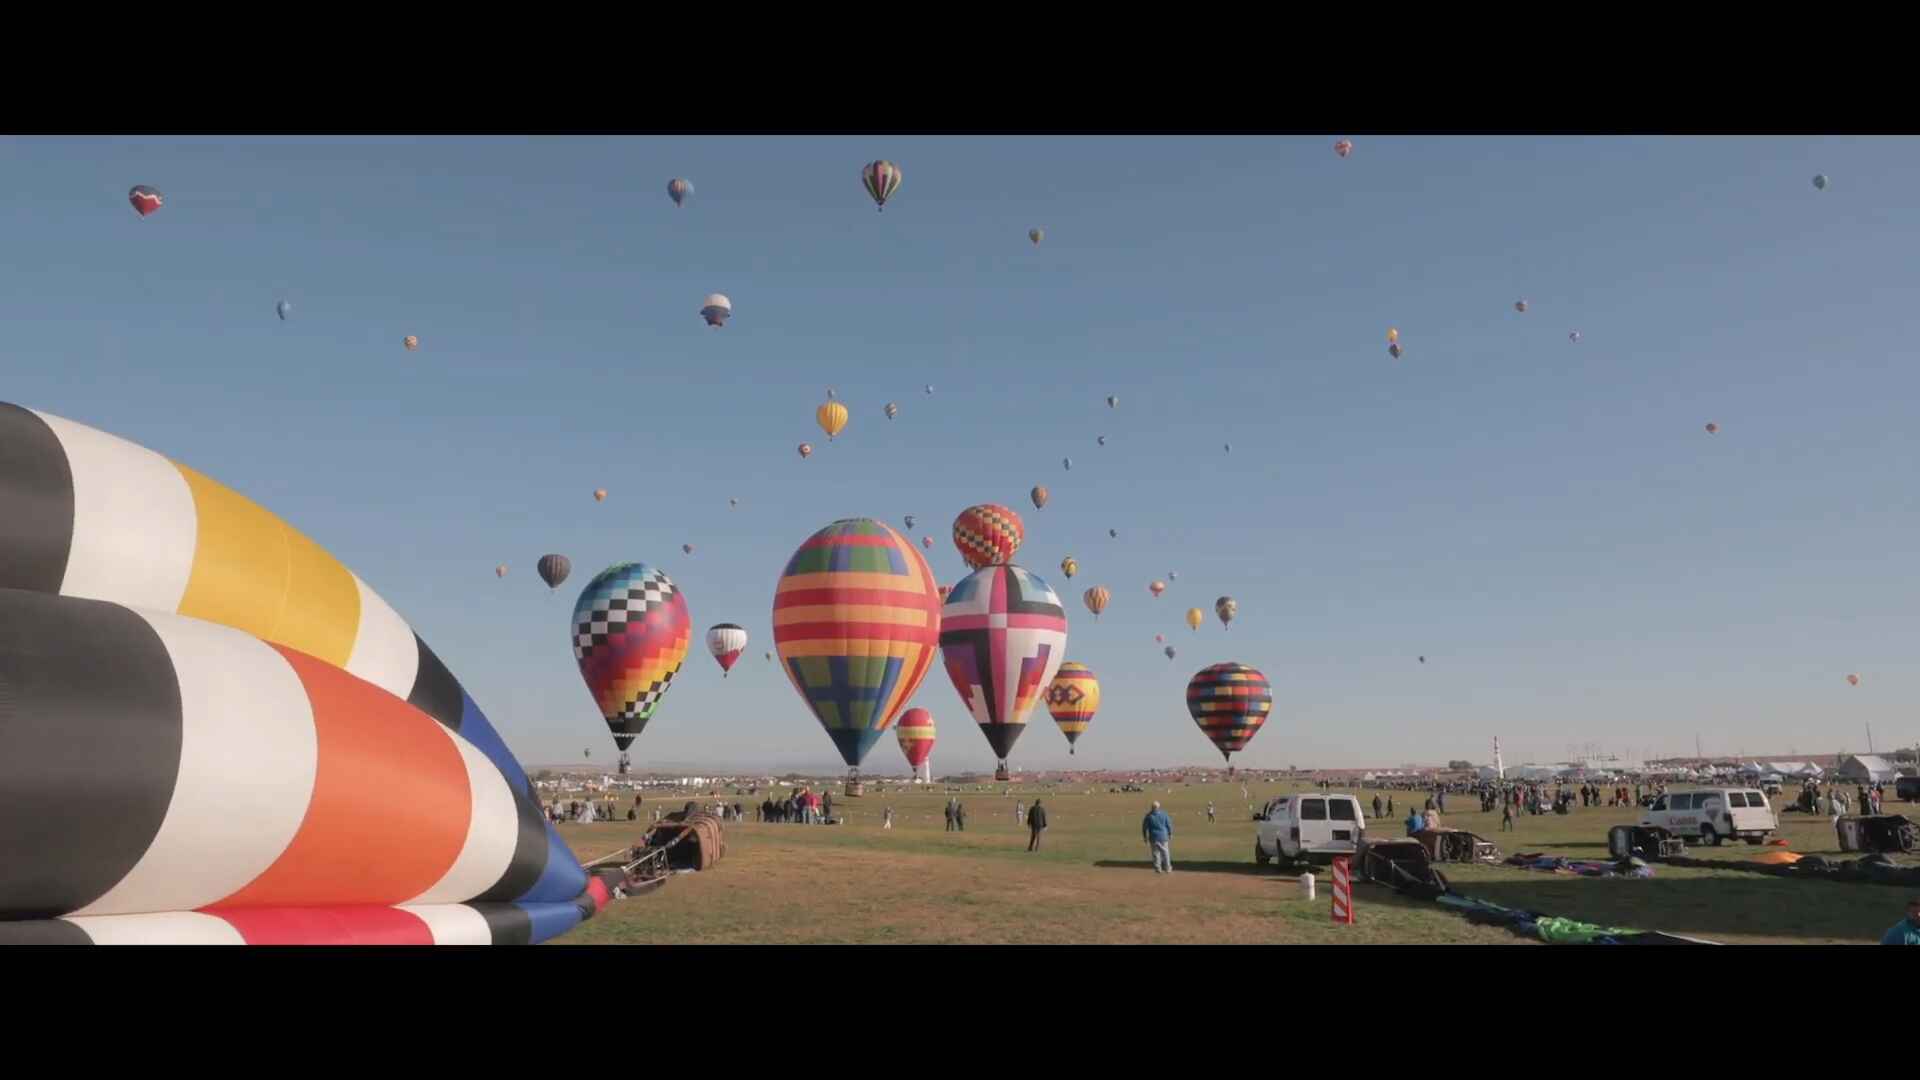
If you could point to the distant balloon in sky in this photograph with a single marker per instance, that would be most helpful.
(1159, 639)
(830, 394)
(553, 569)
(1113, 401)
(1393, 334)
(1156, 588)
(909, 520)
(411, 342)
(1172, 576)
(1820, 182)
(927, 542)
(599, 494)
(1170, 652)
(1096, 599)
(1101, 439)
(832, 418)
(500, 571)
(1713, 429)
(1343, 147)
(1194, 618)
(281, 310)
(1069, 566)
(1574, 337)
(731, 503)
(1073, 698)
(145, 200)
(1520, 306)
(1066, 463)
(726, 641)
(1394, 350)
(1039, 496)
(988, 534)
(1115, 533)
(716, 309)
(1228, 447)
(1226, 607)
(892, 410)
(806, 450)
(929, 389)
(686, 549)
(678, 190)
(881, 179)
(1036, 235)
(1853, 680)
(1423, 659)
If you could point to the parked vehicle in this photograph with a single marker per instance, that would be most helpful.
(1714, 815)
(1304, 828)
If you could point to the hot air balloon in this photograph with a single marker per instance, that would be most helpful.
(716, 309)
(1853, 680)
(1423, 659)
(1039, 496)
(1036, 235)
(830, 395)
(769, 658)
(892, 410)
(1713, 429)
(1003, 634)
(856, 620)
(1114, 533)
(1820, 182)
(1113, 401)
(881, 179)
(1169, 651)
(1393, 335)
(1226, 607)
(1096, 599)
(1228, 447)
(731, 503)
(1159, 639)
(929, 389)
(1156, 588)
(987, 534)
(281, 310)
(553, 569)
(411, 342)
(916, 735)
(1072, 698)
(500, 571)
(1066, 463)
(1520, 306)
(1574, 337)
(145, 200)
(686, 549)
(832, 418)
(1194, 618)
(1343, 147)
(1394, 351)
(1069, 566)
(1229, 701)
(1101, 439)
(726, 641)
(630, 634)
(909, 520)
(599, 494)
(806, 450)
(678, 190)
(1173, 575)
(927, 542)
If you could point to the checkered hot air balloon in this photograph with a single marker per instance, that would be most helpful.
(1073, 697)
(726, 641)
(1003, 634)
(916, 735)
(856, 621)
(881, 179)
(1229, 701)
(630, 635)
(988, 534)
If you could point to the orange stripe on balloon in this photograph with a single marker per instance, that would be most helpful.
(390, 807)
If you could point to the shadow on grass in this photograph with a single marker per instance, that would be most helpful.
(1748, 905)
(1215, 866)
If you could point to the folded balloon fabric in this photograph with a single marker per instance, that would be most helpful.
(212, 731)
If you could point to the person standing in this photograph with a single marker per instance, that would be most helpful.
(960, 815)
(1506, 817)
(1376, 807)
(886, 818)
(1209, 811)
(1907, 930)
(1036, 824)
(1020, 811)
(1157, 830)
(950, 804)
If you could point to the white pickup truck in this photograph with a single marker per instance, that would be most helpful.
(1307, 828)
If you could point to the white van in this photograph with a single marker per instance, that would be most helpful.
(1713, 815)
(1307, 828)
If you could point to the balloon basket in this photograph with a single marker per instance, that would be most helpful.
(855, 789)
(1001, 773)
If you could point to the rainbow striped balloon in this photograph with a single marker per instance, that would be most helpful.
(856, 621)
(915, 732)
(1230, 701)
(1073, 697)
(630, 635)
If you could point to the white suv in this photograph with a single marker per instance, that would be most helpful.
(1713, 815)
(1307, 828)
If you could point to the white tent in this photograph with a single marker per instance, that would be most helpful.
(1866, 768)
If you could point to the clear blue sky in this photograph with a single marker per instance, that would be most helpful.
(1545, 521)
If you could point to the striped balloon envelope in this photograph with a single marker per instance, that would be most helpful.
(224, 623)
(856, 621)
(988, 534)
(630, 635)
(1073, 697)
(1003, 633)
(881, 179)
(1230, 702)
(916, 734)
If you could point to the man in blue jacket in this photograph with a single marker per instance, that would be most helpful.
(1907, 930)
(1415, 822)
(1157, 831)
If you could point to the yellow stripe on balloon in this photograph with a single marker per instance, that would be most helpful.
(858, 613)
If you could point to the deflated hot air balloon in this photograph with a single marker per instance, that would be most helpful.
(1036, 235)
(630, 635)
(1096, 599)
(726, 641)
(916, 735)
(988, 534)
(881, 179)
(1003, 634)
(1229, 701)
(856, 621)
(145, 200)
(1072, 698)
(500, 571)
(1069, 566)
(411, 342)
(599, 494)
(832, 418)
(716, 309)
(892, 410)
(678, 190)
(1226, 607)
(1157, 587)
(553, 569)
(281, 310)
(1194, 618)
(1853, 680)
(1039, 496)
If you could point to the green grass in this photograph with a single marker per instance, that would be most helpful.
(1091, 882)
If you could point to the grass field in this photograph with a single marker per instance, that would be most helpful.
(1092, 882)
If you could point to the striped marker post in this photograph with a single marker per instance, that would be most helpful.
(1342, 891)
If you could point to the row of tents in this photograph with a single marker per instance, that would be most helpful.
(1854, 768)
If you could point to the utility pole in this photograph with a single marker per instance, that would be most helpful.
(1869, 736)
(1696, 746)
